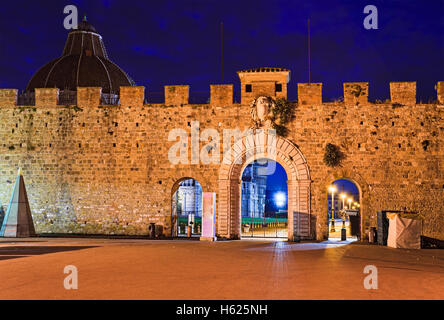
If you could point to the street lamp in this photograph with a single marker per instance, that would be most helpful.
(279, 199)
(343, 196)
(349, 200)
(332, 189)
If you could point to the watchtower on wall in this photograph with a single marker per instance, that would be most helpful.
(263, 81)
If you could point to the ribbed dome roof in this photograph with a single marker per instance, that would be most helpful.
(84, 63)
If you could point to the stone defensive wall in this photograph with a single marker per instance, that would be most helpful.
(104, 169)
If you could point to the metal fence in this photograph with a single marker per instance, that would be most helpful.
(110, 99)
(26, 99)
(67, 97)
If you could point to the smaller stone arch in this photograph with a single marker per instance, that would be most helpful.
(174, 188)
(364, 193)
(252, 147)
(175, 185)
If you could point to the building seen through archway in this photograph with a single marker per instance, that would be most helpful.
(264, 200)
(187, 209)
(344, 205)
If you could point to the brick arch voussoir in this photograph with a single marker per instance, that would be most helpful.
(345, 173)
(173, 183)
(285, 152)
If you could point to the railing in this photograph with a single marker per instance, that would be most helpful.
(67, 97)
(110, 99)
(26, 99)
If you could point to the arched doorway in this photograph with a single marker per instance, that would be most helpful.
(343, 210)
(264, 200)
(186, 208)
(264, 146)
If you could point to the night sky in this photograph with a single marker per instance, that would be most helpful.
(178, 42)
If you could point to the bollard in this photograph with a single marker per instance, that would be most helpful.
(152, 230)
(372, 235)
(343, 234)
(189, 231)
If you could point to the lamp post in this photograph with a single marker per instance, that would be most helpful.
(332, 189)
(349, 200)
(343, 196)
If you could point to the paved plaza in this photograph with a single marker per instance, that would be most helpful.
(33, 268)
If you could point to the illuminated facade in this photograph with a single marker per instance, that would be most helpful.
(254, 187)
(189, 198)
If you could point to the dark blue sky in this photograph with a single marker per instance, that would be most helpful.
(177, 42)
(276, 183)
(348, 187)
(278, 180)
(276, 175)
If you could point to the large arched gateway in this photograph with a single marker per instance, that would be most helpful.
(259, 146)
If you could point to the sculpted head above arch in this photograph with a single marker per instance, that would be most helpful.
(262, 112)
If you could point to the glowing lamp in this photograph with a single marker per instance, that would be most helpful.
(280, 199)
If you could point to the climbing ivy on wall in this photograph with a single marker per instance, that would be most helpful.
(333, 155)
(357, 91)
(283, 113)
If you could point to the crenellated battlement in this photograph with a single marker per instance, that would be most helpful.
(403, 92)
(309, 93)
(440, 91)
(221, 94)
(177, 95)
(355, 93)
(8, 97)
(100, 163)
(87, 96)
(132, 95)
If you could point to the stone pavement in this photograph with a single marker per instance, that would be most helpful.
(32, 268)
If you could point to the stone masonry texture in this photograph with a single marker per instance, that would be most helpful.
(95, 168)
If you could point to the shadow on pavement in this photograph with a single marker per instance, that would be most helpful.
(20, 241)
(37, 250)
(10, 257)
